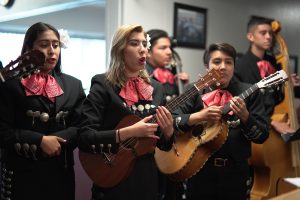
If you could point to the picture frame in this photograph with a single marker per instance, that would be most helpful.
(293, 61)
(190, 26)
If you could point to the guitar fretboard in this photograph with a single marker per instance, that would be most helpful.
(202, 83)
(243, 96)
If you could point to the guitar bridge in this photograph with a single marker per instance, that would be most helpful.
(106, 159)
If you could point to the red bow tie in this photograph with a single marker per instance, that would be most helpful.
(163, 75)
(42, 84)
(216, 98)
(136, 89)
(265, 68)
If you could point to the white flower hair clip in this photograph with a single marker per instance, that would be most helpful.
(148, 41)
(64, 38)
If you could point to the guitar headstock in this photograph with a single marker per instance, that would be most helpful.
(211, 78)
(24, 65)
(274, 79)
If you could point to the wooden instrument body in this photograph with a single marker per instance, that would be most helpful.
(190, 151)
(275, 159)
(107, 170)
(189, 154)
(107, 174)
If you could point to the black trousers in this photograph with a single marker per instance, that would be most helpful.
(217, 182)
(169, 189)
(46, 184)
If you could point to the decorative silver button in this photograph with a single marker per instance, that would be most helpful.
(134, 108)
(147, 106)
(18, 148)
(141, 108)
(168, 98)
(44, 117)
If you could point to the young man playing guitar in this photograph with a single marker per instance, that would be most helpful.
(225, 174)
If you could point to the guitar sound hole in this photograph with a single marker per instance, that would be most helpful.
(198, 130)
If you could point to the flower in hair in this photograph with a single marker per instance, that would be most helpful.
(64, 38)
(148, 41)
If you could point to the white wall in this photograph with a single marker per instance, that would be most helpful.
(86, 21)
(21, 9)
(226, 22)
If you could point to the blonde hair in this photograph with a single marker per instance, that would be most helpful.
(116, 72)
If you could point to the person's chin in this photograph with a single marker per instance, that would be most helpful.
(48, 68)
(167, 63)
(268, 47)
(224, 83)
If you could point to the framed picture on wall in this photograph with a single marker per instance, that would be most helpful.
(293, 64)
(190, 26)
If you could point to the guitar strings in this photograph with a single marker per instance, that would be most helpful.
(171, 106)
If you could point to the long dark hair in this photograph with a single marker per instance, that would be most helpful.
(32, 34)
(156, 34)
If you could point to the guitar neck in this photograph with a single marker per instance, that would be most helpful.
(174, 103)
(204, 82)
(243, 96)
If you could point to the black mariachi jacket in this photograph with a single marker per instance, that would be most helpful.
(171, 90)
(238, 143)
(246, 70)
(103, 109)
(24, 121)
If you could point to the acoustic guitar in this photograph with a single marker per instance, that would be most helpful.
(192, 149)
(107, 170)
(24, 65)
